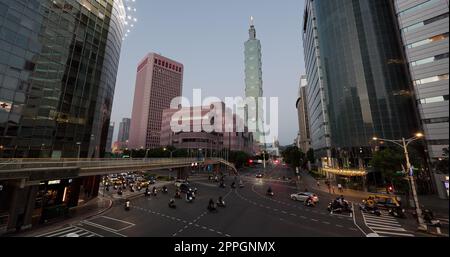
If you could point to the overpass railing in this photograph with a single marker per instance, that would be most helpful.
(18, 164)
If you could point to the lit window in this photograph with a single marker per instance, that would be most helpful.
(431, 79)
(436, 99)
(430, 59)
(428, 40)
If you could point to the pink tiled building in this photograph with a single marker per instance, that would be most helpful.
(158, 81)
(215, 141)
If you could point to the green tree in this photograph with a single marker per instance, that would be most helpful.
(239, 158)
(293, 156)
(387, 162)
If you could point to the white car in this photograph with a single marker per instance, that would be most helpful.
(178, 183)
(303, 196)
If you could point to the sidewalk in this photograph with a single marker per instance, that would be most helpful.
(311, 183)
(92, 208)
(438, 206)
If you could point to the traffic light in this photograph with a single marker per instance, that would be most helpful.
(390, 189)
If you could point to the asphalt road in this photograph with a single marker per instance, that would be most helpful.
(249, 213)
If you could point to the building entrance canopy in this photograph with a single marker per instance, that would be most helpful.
(346, 172)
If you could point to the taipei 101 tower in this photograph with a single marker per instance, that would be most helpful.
(254, 83)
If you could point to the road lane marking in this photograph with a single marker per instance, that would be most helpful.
(385, 225)
(393, 233)
(354, 221)
(47, 233)
(379, 227)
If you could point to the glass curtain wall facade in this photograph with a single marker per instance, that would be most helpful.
(315, 92)
(424, 29)
(58, 66)
(364, 77)
(304, 140)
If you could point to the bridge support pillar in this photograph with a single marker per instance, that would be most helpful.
(183, 173)
(29, 207)
(22, 203)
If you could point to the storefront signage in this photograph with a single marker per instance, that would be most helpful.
(54, 182)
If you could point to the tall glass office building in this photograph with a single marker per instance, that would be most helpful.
(424, 29)
(254, 82)
(58, 66)
(363, 87)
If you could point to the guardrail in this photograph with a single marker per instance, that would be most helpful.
(20, 164)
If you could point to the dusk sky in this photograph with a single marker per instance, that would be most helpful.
(208, 37)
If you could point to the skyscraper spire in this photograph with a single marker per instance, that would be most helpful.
(252, 31)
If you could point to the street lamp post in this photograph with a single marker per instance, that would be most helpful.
(404, 144)
(171, 152)
(79, 149)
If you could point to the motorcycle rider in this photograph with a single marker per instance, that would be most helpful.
(269, 191)
(154, 191)
(211, 205)
(428, 215)
(189, 196)
(172, 203)
(221, 202)
(310, 201)
(178, 194)
(164, 189)
(127, 204)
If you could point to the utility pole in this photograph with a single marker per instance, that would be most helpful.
(404, 144)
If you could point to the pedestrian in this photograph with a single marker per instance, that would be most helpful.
(332, 188)
(340, 188)
(318, 183)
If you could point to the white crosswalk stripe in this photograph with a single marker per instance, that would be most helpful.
(385, 225)
(72, 230)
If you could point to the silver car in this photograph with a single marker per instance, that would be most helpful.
(303, 196)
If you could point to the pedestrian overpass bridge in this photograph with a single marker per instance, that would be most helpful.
(48, 169)
(35, 190)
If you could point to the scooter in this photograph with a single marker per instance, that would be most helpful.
(397, 212)
(372, 210)
(165, 190)
(310, 203)
(172, 204)
(221, 204)
(212, 208)
(334, 207)
(189, 199)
